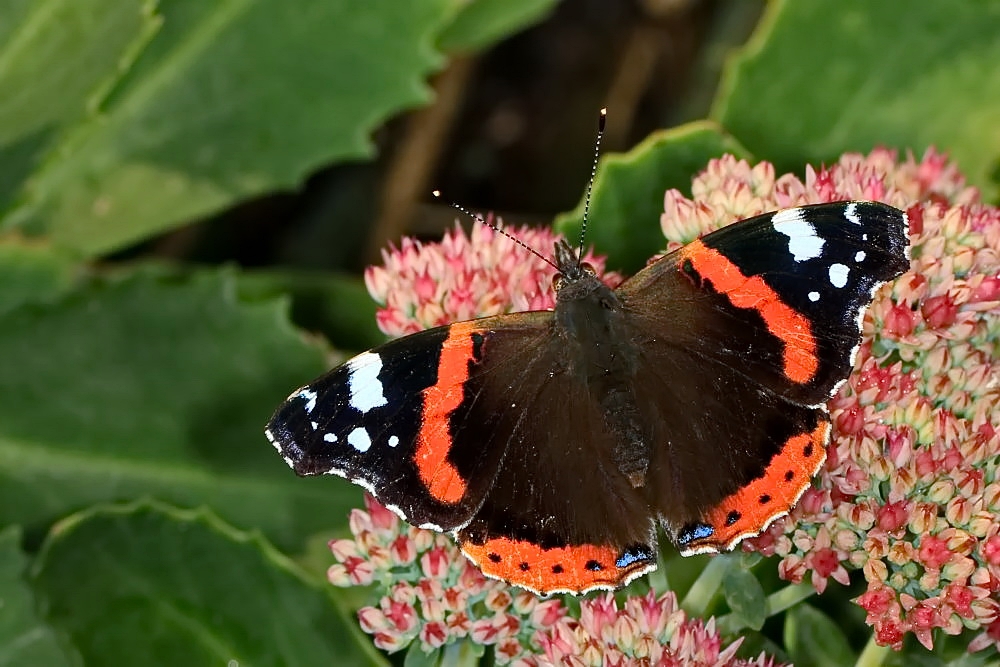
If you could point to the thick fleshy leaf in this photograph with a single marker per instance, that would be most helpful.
(745, 597)
(32, 272)
(25, 640)
(627, 199)
(813, 638)
(169, 587)
(122, 118)
(157, 385)
(820, 78)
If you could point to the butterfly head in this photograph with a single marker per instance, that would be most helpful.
(576, 279)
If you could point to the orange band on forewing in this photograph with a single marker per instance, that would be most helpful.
(442, 480)
(794, 330)
(572, 568)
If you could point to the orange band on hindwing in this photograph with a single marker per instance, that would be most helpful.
(576, 568)
(753, 507)
(441, 479)
(793, 329)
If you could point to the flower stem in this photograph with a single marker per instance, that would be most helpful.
(872, 655)
(706, 586)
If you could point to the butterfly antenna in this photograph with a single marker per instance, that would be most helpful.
(497, 228)
(590, 184)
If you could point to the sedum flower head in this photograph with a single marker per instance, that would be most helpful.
(464, 276)
(909, 496)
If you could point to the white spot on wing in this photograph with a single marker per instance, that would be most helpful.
(272, 439)
(366, 389)
(393, 441)
(859, 256)
(813, 296)
(803, 241)
(310, 397)
(359, 439)
(329, 437)
(838, 275)
(851, 213)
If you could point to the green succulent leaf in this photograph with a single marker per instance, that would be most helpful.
(627, 198)
(164, 586)
(824, 77)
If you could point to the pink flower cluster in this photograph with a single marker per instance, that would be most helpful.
(910, 494)
(463, 277)
(434, 596)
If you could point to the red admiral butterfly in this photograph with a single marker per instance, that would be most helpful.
(552, 443)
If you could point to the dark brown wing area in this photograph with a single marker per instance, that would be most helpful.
(744, 335)
(729, 456)
(559, 515)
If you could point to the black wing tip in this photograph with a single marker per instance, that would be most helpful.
(286, 430)
(890, 225)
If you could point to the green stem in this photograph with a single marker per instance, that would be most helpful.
(873, 655)
(788, 597)
(706, 586)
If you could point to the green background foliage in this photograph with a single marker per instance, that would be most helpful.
(143, 514)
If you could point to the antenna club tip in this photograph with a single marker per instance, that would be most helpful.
(436, 193)
(602, 119)
(604, 111)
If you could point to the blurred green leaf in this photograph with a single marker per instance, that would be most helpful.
(153, 585)
(157, 385)
(823, 77)
(176, 109)
(25, 640)
(480, 23)
(338, 306)
(627, 199)
(32, 272)
(745, 597)
(813, 639)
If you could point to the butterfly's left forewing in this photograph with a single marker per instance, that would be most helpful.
(384, 420)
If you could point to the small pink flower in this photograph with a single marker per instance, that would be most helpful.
(433, 634)
(934, 552)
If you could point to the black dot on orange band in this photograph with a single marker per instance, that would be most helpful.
(789, 476)
(764, 499)
(557, 569)
(594, 566)
(524, 566)
(732, 517)
(494, 557)
(807, 451)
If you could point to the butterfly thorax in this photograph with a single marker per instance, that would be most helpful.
(597, 346)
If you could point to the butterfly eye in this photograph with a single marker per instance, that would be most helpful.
(557, 282)
(588, 268)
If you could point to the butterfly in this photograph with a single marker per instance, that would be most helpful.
(553, 444)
